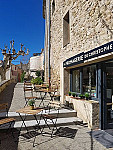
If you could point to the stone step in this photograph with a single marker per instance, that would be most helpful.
(60, 122)
(63, 113)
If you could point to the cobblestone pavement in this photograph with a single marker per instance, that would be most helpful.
(79, 140)
(71, 137)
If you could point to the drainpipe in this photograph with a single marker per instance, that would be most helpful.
(49, 42)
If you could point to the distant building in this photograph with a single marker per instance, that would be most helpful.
(1, 63)
(25, 68)
(37, 63)
(14, 72)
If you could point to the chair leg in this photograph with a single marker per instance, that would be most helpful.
(47, 123)
(12, 132)
(34, 140)
(54, 126)
(10, 123)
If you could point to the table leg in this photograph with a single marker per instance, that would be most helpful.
(23, 122)
(52, 95)
(42, 99)
(38, 122)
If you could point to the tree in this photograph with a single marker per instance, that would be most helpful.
(8, 57)
(22, 76)
(38, 74)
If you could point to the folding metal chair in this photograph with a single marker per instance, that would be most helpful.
(4, 119)
(28, 94)
(53, 94)
(49, 118)
(28, 85)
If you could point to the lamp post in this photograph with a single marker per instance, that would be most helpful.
(11, 54)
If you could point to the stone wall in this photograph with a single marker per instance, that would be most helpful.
(3, 84)
(91, 25)
(87, 110)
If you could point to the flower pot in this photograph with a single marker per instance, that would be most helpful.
(87, 98)
(31, 107)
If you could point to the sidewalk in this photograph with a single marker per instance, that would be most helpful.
(80, 140)
(71, 137)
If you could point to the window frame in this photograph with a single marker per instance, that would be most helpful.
(66, 25)
(81, 79)
(53, 7)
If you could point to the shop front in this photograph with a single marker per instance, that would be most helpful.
(92, 72)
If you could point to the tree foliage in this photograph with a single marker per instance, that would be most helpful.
(22, 76)
(38, 74)
(37, 80)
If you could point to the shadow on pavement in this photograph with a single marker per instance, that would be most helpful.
(7, 95)
(66, 132)
(8, 142)
(102, 137)
(30, 134)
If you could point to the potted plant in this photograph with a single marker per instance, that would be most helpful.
(76, 94)
(87, 96)
(73, 94)
(81, 96)
(31, 103)
(47, 87)
(69, 93)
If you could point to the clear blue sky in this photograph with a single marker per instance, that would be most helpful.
(22, 20)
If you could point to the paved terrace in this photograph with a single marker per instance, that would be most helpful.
(71, 137)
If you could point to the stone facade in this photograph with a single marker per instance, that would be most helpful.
(37, 63)
(88, 111)
(91, 25)
(47, 35)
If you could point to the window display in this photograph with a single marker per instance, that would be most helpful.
(76, 81)
(89, 80)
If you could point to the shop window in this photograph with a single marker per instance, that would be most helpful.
(53, 7)
(89, 80)
(76, 81)
(66, 30)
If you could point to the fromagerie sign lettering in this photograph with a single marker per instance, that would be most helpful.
(80, 58)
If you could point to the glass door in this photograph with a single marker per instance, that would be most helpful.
(108, 95)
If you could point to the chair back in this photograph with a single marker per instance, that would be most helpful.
(54, 106)
(27, 85)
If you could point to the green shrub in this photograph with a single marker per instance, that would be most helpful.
(69, 93)
(81, 96)
(31, 102)
(47, 86)
(86, 94)
(73, 94)
(22, 76)
(37, 80)
(38, 74)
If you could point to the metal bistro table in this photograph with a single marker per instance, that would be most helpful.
(27, 111)
(45, 91)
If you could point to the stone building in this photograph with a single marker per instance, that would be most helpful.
(14, 73)
(79, 50)
(37, 63)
